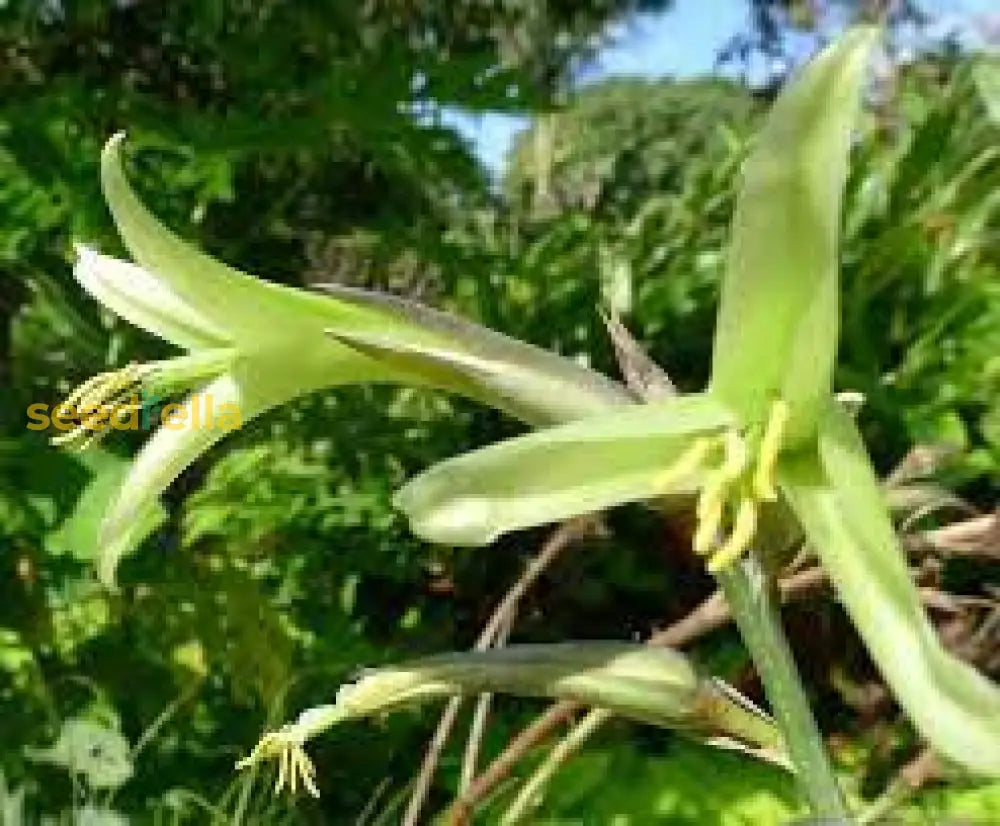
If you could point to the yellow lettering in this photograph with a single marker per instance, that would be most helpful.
(93, 417)
(64, 418)
(39, 417)
(174, 416)
(229, 416)
(126, 417)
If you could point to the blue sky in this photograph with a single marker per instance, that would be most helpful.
(681, 42)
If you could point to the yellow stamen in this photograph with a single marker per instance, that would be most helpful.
(709, 518)
(293, 771)
(736, 456)
(284, 759)
(688, 463)
(113, 392)
(294, 764)
(744, 526)
(308, 773)
(767, 455)
(713, 493)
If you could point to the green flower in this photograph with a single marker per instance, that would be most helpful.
(768, 434)
(652, 685)
(253, 345)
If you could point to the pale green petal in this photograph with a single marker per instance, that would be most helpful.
(532, 384)
(78, 534)
(652, 685)
(839, 503)
(415, 345)
(159, 463)
(251, 386)
(778, 318)
(559, 472)
(198, 280)
(144, 300)
(249, 308)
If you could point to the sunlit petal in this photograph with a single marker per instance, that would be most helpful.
(839, 503)
(145, 300)
(165, 455)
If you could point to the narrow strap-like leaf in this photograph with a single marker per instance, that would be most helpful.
(837, 498)
(778, 316)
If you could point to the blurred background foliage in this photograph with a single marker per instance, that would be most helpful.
(304, 142)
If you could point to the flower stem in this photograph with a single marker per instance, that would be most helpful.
(752, 600)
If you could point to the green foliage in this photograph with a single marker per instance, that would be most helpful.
(668, 784)
(282, 149)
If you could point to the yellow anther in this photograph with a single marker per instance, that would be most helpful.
(736, 456)
(688, 463)
(284, 760)
(709, 519)
(712, 499)
(712, 492)
(294, 764)
(113, 392)
(94, 386)
(767, 455)
(744, 527)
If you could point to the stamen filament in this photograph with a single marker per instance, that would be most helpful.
(710, 505)
(729, 482)
(284, 759)
(688, 463)
(767, 456)
(294, 765)
(744, 527)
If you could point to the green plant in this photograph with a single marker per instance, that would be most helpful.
(767, 442)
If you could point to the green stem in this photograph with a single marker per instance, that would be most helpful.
(753, 602)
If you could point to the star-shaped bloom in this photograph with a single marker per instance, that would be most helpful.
(768, 436)
(252, 345)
